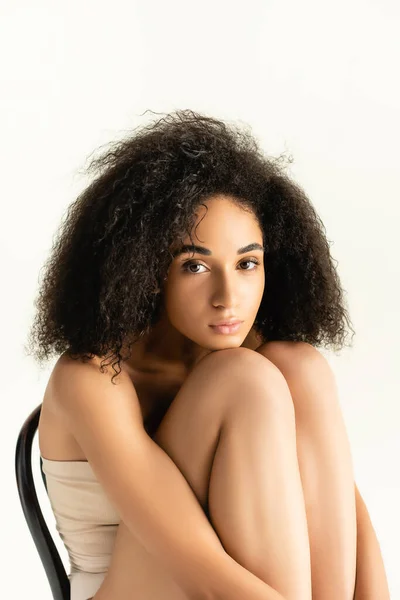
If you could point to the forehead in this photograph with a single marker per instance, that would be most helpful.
(220, 225)
(221, 218)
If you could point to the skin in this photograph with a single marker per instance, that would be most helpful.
(225, 285)
(220, 287)
(325, 465)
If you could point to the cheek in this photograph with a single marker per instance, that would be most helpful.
(258, 296)
(262, 285)
(177, 300)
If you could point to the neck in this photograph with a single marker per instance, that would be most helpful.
(166, 349)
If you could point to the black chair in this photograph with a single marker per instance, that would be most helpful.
(55, 571)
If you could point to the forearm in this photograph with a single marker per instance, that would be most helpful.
(231, 581)
(371, 582)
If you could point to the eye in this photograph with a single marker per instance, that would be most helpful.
(191, 263)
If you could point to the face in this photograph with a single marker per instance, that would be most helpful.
(221, 282)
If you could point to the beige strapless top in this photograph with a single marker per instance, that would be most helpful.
(85, 519)
(87, 524)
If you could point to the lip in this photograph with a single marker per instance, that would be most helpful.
(229, 322)
(231, 327)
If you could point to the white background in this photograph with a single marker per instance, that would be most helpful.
(317, 80)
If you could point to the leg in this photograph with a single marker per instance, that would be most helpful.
(231, 432)
(256, 499)
(325, 466)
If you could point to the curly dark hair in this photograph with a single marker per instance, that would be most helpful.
(114, 247)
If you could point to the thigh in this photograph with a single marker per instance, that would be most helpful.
(189, 434)
(190, 429)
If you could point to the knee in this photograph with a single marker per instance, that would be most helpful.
(250, 375)
(247, 366)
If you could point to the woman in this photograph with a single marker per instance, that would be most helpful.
(207, 461)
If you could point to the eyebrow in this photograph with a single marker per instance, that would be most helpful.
(206, 252)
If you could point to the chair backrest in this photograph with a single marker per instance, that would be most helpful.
(55, 571)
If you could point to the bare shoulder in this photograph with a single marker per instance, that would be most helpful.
(66, 363)
(68, 372)
(74, 385)
(77, 393)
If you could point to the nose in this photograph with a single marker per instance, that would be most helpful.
(226, 292)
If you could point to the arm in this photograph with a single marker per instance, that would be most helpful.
(145, 486)
(371, 582)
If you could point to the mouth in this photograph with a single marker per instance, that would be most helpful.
(227, 328)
